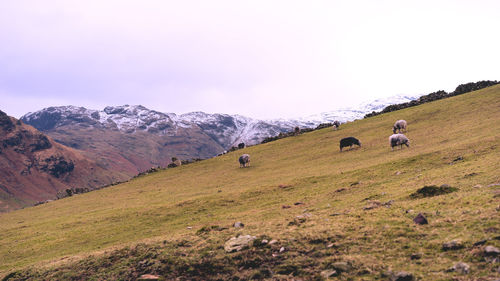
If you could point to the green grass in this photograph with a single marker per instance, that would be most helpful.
(57, 237)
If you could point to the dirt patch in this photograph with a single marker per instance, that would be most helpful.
(433, 190)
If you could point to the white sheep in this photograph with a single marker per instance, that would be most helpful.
(398, 139)
(399, 126)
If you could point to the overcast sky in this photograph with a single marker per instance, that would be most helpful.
(263, 59)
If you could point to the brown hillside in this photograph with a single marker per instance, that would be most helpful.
(34, 168)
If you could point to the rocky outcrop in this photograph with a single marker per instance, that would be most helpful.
(34, 168)
(461, 89)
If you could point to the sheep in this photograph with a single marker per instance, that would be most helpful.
(244, 160)
(398, 139)
(349, 141)
(399, 126)
(241, 145)
(336, 125)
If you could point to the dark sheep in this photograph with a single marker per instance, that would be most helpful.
(241, 145)
(398, 139)
(349, 141)
(399, 126)
(244, 160)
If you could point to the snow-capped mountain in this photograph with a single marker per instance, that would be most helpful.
(226, 130)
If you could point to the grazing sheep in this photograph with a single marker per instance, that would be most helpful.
(244, 160)
(350, 141)
(336, 125)
(241, 145)
(399, 126)
(398, 139)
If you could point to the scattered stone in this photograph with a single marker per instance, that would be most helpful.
(409, 211)
(298, 203)
(341, 266)
(459, 158)
(329, 245)
(402, 276)
(420, 219)
(286, 207)
(282, 249)
(491, 230)
(397, 173)
(335, 214)
(491, 251)
(479, 243)
(238, 243)
(460, 267)
(189, 227)
(341, 189)
(238, 224)
(328, 273)
(373, 204)
(388, 204)
(477, 186)
(453, 245)
(432, 190)
(145, 277)
(283, 186)
(416, 256)
(493, 184)
(274, 241)
(264, 241)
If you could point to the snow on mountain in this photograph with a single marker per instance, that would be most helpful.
(227, 130)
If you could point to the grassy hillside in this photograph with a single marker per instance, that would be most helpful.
(300, 191)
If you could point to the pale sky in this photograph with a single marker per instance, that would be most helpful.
(262, 59)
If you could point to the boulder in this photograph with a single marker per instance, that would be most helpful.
(453, 245)
(341, 266)
(420, 219)
(328, 273)
(238, 224)
(402, 276)
(461, 268)
(238, 243)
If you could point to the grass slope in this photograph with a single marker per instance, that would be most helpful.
(157, 218)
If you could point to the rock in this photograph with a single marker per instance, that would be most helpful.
(328, 273)
(238, 224)
(461, 268)
(298, 203)
(340, 189)
(479, 243)
(420, 219)
(373, 204)
(477, 186)
(341, 266)
(388, 204)
(149, 277)
(274, 241)
(416, 256)
(409, 211)
(286, 207)
(238, 243)
(397, 173)
(453, 245)
(491, 251)
(189, 227)
(264, 241)
(402, 276)
(282, 249)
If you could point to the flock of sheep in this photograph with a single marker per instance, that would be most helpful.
(394, 140)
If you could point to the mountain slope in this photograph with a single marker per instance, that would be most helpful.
(34, 168)
(131, 139)
(329, 210)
